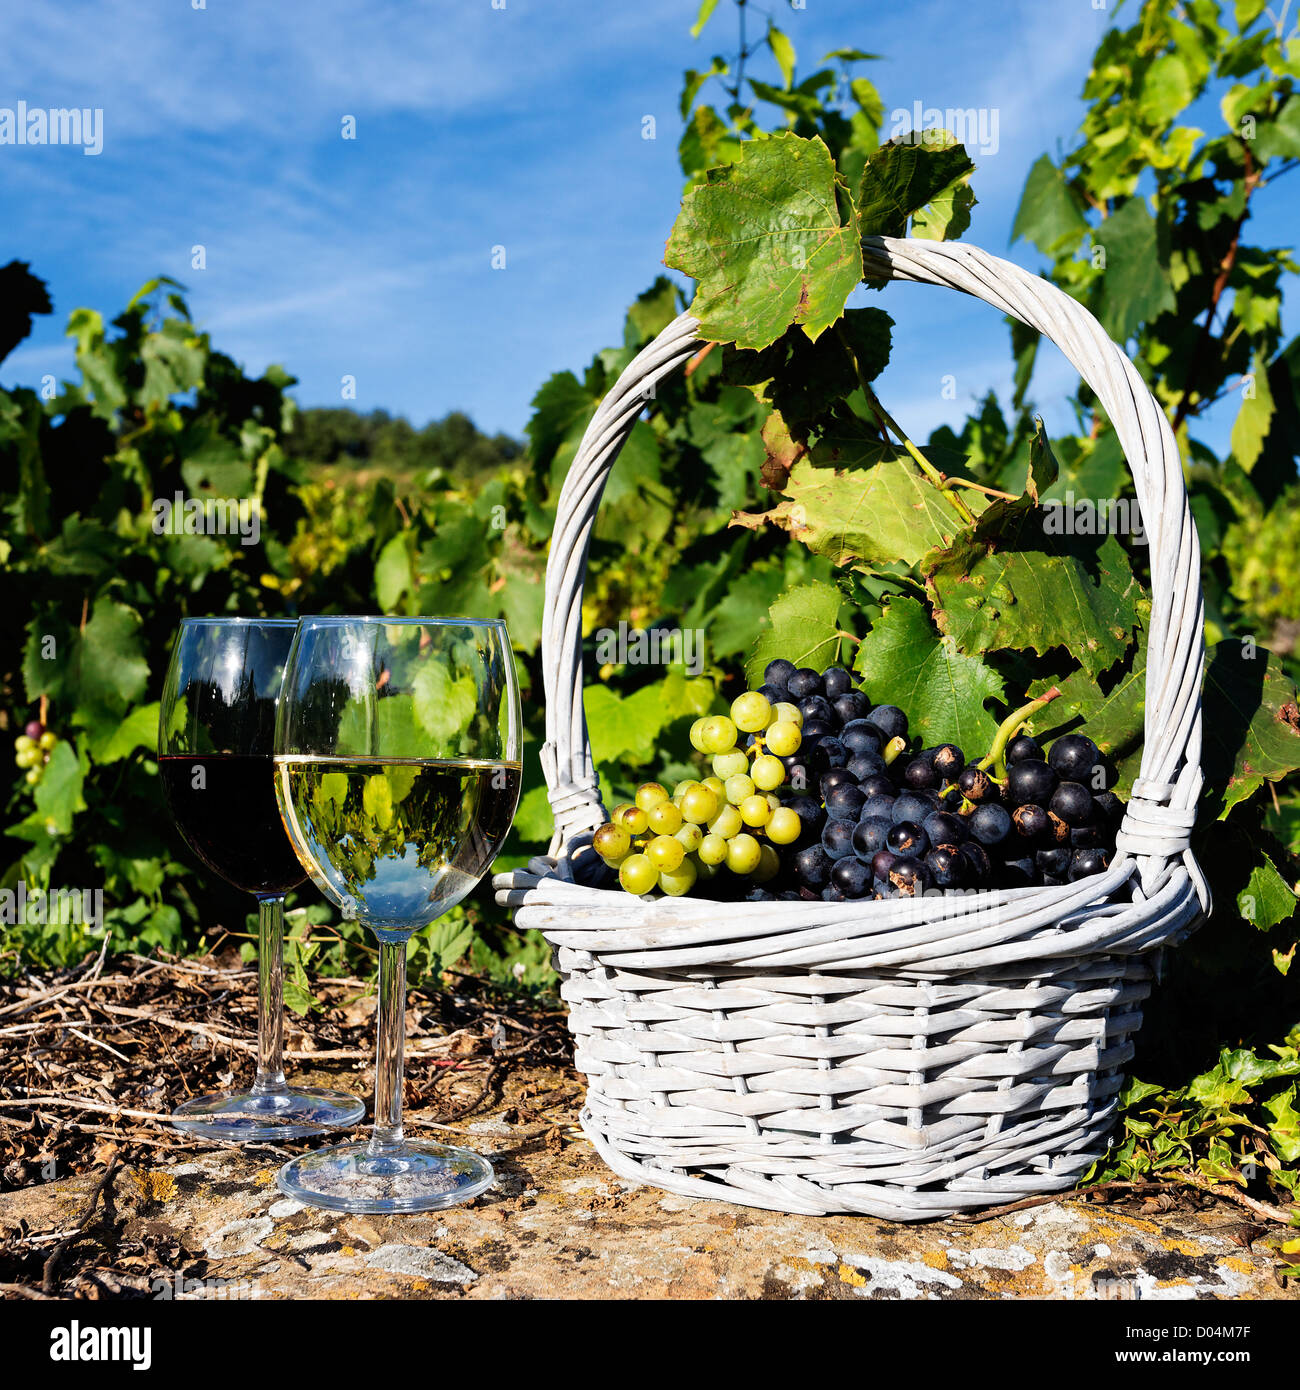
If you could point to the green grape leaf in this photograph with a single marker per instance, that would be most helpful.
(903, 661)
(947, 215)
(707, 141)
(1048, 214)
(138, 730)
(534, 820)
(58, 794)
(1109, 710)
(1280, 137)
(900, 179)
(1254, 418)
(772, 240)
(1267, 898)
(803, 627)
(173, 359)
(783, 52)
(860, 503)
(1251, 721)
(702, 18)
(1135, 286)
(393, 572)
(377, 799)
(1033, 591)
(444, 704)
(629, 726)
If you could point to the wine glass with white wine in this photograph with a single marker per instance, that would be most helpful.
(397, 773)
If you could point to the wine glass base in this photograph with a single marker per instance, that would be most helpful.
(412, 1176)
(241, 1117)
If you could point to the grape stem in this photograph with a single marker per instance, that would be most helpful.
(1009, 728)
(887, 422)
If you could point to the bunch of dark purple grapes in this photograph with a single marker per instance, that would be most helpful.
(884, 819)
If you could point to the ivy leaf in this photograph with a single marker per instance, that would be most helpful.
(1267, 898)
(1048, 214)
(1284, 1131)
(1251, 721)
(903, 661)
(1254, 418)
(772, 239)
(902, 178)
(1135, 287)
(803, 627)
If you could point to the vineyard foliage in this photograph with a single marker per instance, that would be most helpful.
(766, 502)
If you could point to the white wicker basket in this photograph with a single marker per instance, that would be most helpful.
(904, 1059)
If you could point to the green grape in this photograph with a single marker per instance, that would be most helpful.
(719, 734)
(665, 818)
(690, 837)
(612, 843)
(751, 712)
(697, 734)
(32, 776)
(786, 713)
(676, 882)
(755, 811)
(633, 819)
(784, 826)
(727, 823)
(649, 795)
(767, 772)
(664, 852)
(24, 743)
(713, 850)
(893, 748)
(28, 757)
(730, 764)
(682, 788)
(700, 804)
(717, 786)
(783, 738)
(743, 854)
(769, 864)
(48, 739)
(739, 787)
(773, 800)
(638, 875)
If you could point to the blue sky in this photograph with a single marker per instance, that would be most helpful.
(477, 127)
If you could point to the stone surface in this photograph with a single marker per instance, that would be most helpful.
(559, 1224)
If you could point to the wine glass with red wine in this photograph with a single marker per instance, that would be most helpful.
(216, 735)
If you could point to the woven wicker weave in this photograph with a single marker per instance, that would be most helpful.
(907, 1058)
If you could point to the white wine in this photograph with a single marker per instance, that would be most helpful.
(395, 842)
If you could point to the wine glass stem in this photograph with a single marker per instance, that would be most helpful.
(270, 995)
(389, 1048)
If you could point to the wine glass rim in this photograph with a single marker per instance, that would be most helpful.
(225, 621)
(388, 620)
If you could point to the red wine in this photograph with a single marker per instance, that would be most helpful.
(231, 819)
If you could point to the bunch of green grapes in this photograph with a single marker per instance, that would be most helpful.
(32, 750)
(731, 820)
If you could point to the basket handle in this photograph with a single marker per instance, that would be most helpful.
(1162, 806)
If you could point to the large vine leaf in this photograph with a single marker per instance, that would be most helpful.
(1267, 898)
(772, 239)
(860, 503)
(803, 628)
(903, 661)
(1048, 214)
(1135, 287)
(901, 178)
(1251, 719)
(1011, 583)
